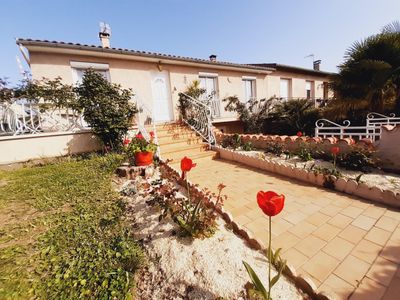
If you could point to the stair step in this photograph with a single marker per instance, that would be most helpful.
(181, 141)
(172, 148)
(176, 157)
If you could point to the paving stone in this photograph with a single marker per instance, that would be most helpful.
(303, 229)
(340, 221)
(285, 241)
(387, 223)
(326, 232)
(364, 222)
(321, 265)
(352, 211)
(318, 219)
(378, 236)
(353, 234)
(310, 245)
(367, 251)
(393, 291)
(340, 287)
(338, 248)
(374, 212)
(382, 271)
(369, 290)
(352, 270)
(331, 210)
(391, 251)
(294, 257)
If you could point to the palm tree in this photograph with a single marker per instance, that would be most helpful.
(369, 79)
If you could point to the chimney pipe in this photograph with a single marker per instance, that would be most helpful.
(316, 64)
(213, 58)
(105, 39)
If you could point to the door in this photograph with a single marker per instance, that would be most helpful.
(161, 97)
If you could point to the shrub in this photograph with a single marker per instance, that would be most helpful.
(235, 142)
(106, 108)
(275, 148)
(304, 153)
(358, 159)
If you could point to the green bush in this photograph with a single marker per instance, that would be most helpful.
(358, 159)
(106, 107)
(235, 142)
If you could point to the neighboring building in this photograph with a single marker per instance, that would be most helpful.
(157, 79)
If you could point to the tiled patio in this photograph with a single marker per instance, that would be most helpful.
(347, 246)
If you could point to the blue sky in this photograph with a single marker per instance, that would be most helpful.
(244, 31)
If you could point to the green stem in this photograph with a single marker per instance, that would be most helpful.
(269, 260)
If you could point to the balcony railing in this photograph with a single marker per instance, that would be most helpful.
(30, 118)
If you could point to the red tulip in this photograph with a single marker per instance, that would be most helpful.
(335, 150)
(139, 136)
(127, 141)
(299, 134)
(270, 202)
(152, 134)
(187, 164)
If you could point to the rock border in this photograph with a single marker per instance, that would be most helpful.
(347, 186)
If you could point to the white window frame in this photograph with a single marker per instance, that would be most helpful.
(311, 83)
(253, 84)
(78, 65)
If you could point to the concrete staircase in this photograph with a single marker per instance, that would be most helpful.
(177, 140)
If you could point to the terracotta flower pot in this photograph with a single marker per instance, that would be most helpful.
(143, 158)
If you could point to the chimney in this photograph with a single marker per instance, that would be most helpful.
(213, 58)
(105, 34)
(316, 64)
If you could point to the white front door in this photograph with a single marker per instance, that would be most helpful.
(161, 97)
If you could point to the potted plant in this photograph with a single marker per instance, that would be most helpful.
(140, 149)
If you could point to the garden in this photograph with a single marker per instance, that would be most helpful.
(349, 160)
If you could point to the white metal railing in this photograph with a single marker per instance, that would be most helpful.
(145, 117)
(198, 117)
(326, 128)
(24, 117)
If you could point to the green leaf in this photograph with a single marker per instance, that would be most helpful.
(275, 279)
(256, 281)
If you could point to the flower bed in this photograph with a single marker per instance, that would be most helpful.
(344, 184)
(182, 266)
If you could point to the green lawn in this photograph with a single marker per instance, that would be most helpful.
(62, 233)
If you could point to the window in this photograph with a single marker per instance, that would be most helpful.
(79, 68)
(249, 87)
(285, 89)
(208, 81)
(309, 89)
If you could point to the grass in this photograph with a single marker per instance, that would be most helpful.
(62, 232)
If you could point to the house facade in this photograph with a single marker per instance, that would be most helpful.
(157, 79)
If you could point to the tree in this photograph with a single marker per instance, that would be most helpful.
(106, 108)
(369, 79)
(6, 93)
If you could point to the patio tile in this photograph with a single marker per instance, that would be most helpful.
(393, 291)
(294, 257)
(279, 226)
(338, 248)
(374, 212)
(367, 251)
(318, 219)
(378, 236)
(340, 221)
(364, 222)
(369, 290)
(341, 288)
(285, 241)
(295, 217)
(352, 211)
(394, 214)
(310, 245)
(243, 220)
(302, 229)
(387, 223)
(382, 271)
(321, 265)
(353, 234)
(331, 210)
(352, 270)
(326, 232)
(391, 251)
